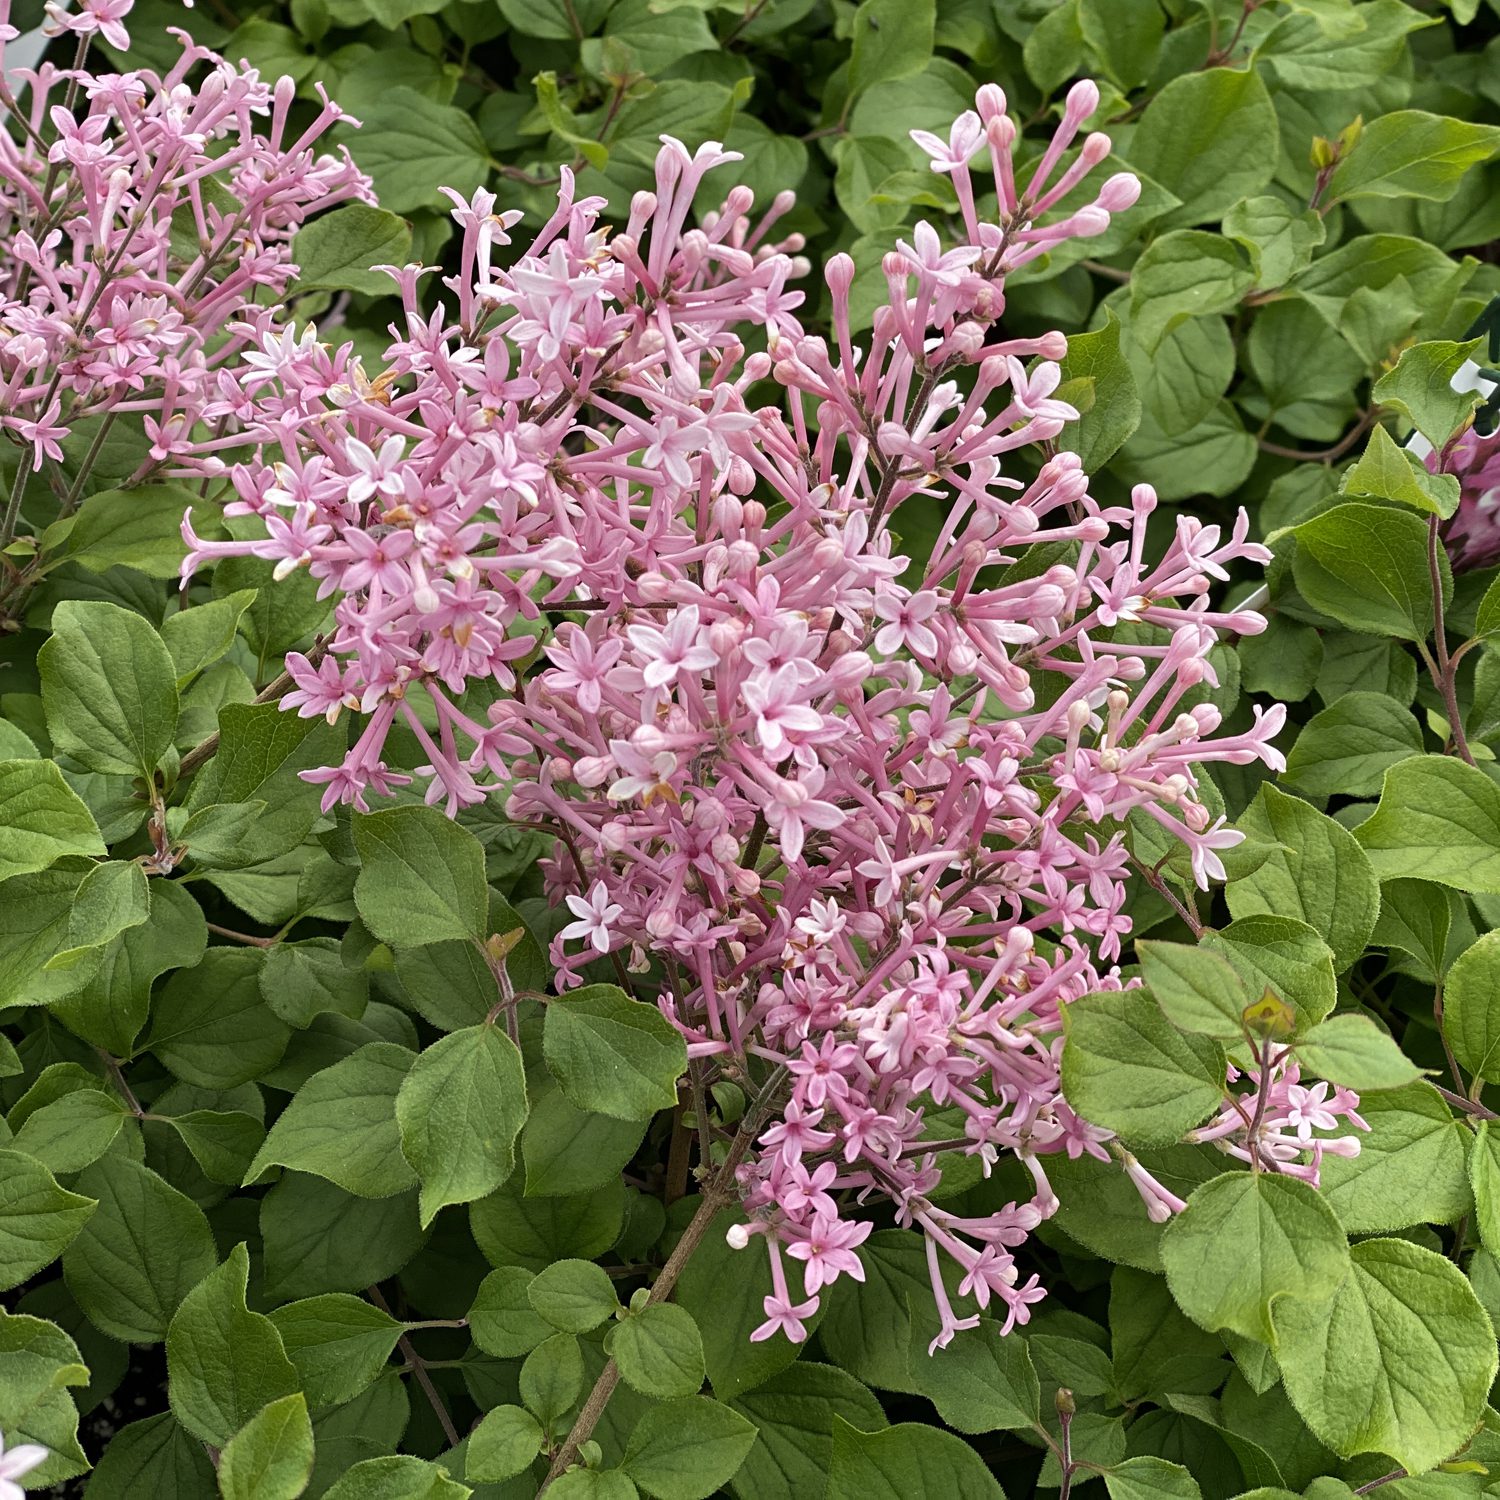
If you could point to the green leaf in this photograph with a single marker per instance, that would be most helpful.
(612, 1054)
(1337, 48)
(552, 1377)
(892, 39)
(1471, 1007)
(1127, 1068)
(1211, 458)
(145, 1248)
(69, 1133)
(574, 1296)
(459, 1111)
(503, 1445)
(569, 1150)
(1182, 380)
(41, 818)
(1183, 275)
(1415, 919)
(1246, 1242)
(1156, 1348)
(981, 1382)
(1366, 566)
(271, 1456)
(38, 908)
(138, 528)
(1125, 35)
(594, 1484)
(38, 1219)
(513, 1230)
(319, 1238)
(1411, 1167)
(795, 1412)
(1053, 47)
(152, 1460)
(1391, 472)
(1149, 1478)
(1318, 873)
(198, 637)
(1116, 408)
(867, 1328)
(1399, 1364)
(222, 1142)
(553, 19)
(338, 1343)
(261, 751)
(1411, 154)
(451, 985)
(658, 1349)
(111, 1006)
(1279, 239)
(1438, 820)
(224, 1362)
(337, 250)
(412, 144)
(1353, 1051)
(1487, 616)
(1346, 748)
(301, 981)
(904, 1462)
(210, 1026)
(421, 877)
(688, 1448)
(341, 1125)
(1196, 988)
(1283, 661)
(1211, 138)
(38, 1362)
(502, 1320)
(1484, 1180)
(109, 688)
(285, 611)
(397, 1477)
(112, 898)
(1420, 388)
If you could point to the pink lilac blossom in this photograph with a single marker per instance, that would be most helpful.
(857, 821)
(144, 214)
(1472, 533)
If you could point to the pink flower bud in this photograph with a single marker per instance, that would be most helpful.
(990, 102)
(1119, 193)
(1083, 100)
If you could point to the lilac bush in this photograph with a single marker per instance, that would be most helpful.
(758, 874)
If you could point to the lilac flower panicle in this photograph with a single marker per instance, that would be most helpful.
(145, 215)
(806, 793)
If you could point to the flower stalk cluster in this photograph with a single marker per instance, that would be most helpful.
(843, 809)
(142, 214)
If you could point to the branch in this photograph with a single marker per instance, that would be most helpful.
(419, 1369)
(719, 1194)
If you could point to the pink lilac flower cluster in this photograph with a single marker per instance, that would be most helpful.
(856, 820)
(142, 213)
(1283, 1137)
(1472, 533)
